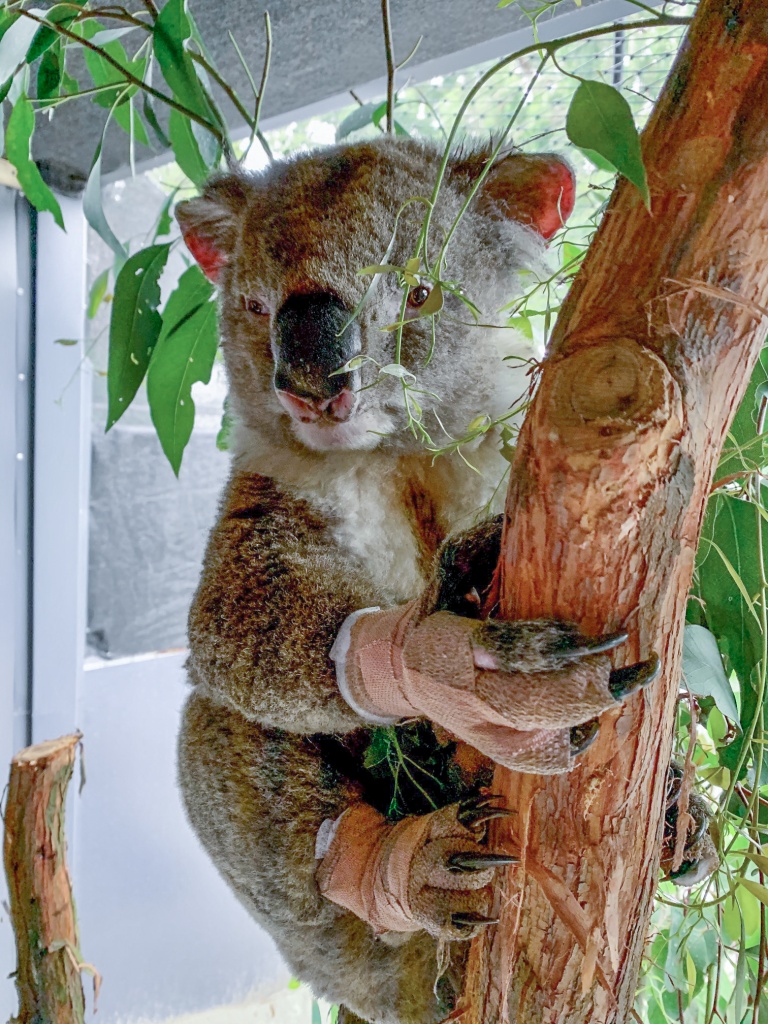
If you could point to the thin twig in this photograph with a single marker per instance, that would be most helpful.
(390, 66)
(131, 79)
(151, 7)
(263, 86)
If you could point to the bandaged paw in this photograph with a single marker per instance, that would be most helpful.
(428, 872)
(512, 690)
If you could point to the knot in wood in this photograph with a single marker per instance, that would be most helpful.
(605, 395)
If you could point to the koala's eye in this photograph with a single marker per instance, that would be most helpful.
(255, 307)
(418, 295)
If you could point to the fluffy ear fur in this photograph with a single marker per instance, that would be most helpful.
(208, 223)
(536, 189)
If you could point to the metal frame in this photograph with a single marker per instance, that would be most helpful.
(61, 473)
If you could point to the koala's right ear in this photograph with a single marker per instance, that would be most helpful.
(209, 223)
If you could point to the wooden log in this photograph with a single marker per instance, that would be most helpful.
(42, 911)
(650, 358)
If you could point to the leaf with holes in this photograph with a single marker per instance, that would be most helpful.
(18, 139)
(600, 119)
(135, 326)
(182, 358)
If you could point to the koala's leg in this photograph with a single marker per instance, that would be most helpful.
(256, 798)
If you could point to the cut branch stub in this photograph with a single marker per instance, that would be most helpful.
(42, 911)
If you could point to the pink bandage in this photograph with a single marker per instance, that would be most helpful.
(400, 664)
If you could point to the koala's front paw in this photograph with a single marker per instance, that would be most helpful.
(530, 672)
(450, 888)
(465, 568)
(700, 857)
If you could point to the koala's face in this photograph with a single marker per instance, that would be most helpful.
(285, 248)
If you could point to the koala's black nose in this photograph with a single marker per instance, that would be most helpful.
(314, 339)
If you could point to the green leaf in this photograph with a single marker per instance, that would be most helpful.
(49, 73)
(316, 1018)
(434, 301)
(154, 124)
(18, 138)
(170, 32)
(186, 149)
(703, 670)
(134, 327)
(224, 436)
(600, 119)
(165, 220)
(757, 890)
(93, 208)
(97, 293)
(522, 324)
(379, 747)
(396, 370)
(61, 14)
(15, 42)
(359, 118)
(103, 74)
(180, 360)
(66, 342)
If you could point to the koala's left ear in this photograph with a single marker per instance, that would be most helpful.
(537, 189)
(209, 223)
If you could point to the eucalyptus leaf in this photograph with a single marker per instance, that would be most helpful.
(316, 1018)
(182, 357)
(600, 119)
(18, 138)
(186, 149)
(359, 118)
(15, 43)
(109, 35)
(759, 891)
(49, 73)
(134, 327)
(396, 370)
(97, 293)
(703, 670)
(45, 37)
(93, 207)
(170, 32)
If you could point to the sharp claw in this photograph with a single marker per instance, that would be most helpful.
(479, 861)
(475, 816)
(470, 920)
(590, 645)
(583, 736)
(625, 681)
(472, 803)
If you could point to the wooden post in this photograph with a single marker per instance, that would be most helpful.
(650, 358)
(42, 912)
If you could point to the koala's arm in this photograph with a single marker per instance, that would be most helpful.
(273, 595)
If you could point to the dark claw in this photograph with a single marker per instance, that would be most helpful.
(471, 920)
(624, 681)
(479, 861)
(583, 736)
(587, 645)
(479, 809)
(481, 817)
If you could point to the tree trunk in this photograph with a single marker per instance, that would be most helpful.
(650, 358)
(42, 912)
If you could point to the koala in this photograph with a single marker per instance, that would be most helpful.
(339, 603)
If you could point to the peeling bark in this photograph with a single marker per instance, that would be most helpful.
(42, 911)
(651, 355)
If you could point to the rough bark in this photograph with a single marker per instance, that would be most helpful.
(42, 911)
(650, 358)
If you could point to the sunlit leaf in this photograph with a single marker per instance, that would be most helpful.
(396, 370)
(18, 138)
(703, 670)
(15, 42)
(759, 891)
(134, 327)
(522, 324)
(600, 119)
(97, 293)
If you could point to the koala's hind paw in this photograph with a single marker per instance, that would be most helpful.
(451, 875)
(700, 857)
